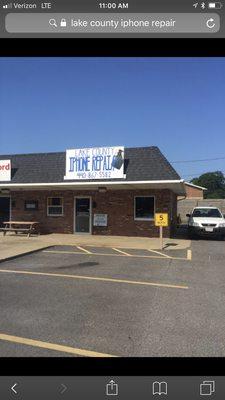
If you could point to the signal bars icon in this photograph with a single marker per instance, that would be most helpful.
(7, 5)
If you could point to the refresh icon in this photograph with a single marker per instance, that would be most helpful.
(210, 23)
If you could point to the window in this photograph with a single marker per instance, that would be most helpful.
(55, 206)
(144, 208)
(31, 205)
(206, 213)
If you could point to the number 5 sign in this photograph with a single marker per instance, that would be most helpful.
(161, 219)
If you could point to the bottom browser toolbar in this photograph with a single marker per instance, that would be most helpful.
(117, 387)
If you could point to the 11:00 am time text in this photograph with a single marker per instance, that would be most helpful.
(111, 6)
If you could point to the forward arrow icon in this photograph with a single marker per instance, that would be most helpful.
(63, 388)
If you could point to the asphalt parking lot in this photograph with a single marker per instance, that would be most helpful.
(93, 301)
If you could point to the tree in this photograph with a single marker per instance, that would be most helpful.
(214, 182)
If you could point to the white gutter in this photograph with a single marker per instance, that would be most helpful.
(195, 186)
(82, 183)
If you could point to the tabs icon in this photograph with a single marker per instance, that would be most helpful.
(207, 388)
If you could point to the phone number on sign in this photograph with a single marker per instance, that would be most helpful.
(93, 175)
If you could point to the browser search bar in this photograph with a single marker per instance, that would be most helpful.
(112, 23)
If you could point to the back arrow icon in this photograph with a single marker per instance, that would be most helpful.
(63, 388)
(13, 388)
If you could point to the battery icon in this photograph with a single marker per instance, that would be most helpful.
(215, 6)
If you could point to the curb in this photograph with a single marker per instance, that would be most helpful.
(23, 254)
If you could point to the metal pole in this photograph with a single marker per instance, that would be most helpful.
(161, 237)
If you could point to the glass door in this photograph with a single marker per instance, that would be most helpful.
(4, 210)
(82, 215)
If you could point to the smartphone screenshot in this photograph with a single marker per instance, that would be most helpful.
(112, 199)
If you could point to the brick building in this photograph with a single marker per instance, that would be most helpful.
(95, 191)
(194, 191)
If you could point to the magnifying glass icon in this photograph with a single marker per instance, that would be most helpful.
(52, 22)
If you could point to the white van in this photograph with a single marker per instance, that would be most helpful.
(206, 221)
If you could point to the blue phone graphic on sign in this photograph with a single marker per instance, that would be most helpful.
(117, 161)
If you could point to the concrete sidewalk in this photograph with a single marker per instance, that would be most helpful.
(13, 245)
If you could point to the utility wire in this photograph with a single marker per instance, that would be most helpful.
(200, 173)
(192, 161)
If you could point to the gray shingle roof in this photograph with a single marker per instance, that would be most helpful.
(141, 163)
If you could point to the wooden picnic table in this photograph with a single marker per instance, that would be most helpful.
(20, 226)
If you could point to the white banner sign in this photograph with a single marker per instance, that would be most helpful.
(95, 163)
(5, 170)
(100, 219)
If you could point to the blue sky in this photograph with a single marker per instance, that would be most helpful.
(51, 104)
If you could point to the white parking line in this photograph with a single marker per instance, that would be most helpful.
(189, 254)
(85, 250)
(113, 255)
(93, 278)
(52, 346)
(120, 251)
(158, 252)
